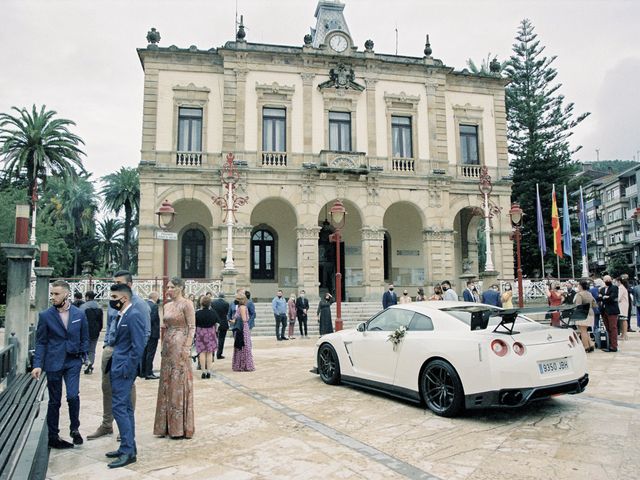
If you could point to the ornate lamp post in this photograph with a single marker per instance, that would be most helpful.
(338, 219)
(515, 214)
(486, 187)
(229, 203)
(166, 215)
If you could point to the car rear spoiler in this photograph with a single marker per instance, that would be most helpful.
(480, 315)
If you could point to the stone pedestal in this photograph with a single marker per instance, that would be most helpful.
(373, 263)
(488, 278)
(19, 258)
(229, 283)
(43, 276)
(308, 261)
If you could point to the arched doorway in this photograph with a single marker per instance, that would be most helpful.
(403, 245)
(194, 247)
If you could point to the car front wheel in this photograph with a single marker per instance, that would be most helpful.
(328, 365)
(441, 389)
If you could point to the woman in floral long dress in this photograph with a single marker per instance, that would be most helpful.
(242, 349)
(174, 410)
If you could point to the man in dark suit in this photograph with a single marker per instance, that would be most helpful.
(106, 427)
(468, 295)
(251, 309)
(389, 297)
(609, 299)
(302, 307)
(128, 340)
(154, 336)
(492, 296)
(62, 343)
(221, 306)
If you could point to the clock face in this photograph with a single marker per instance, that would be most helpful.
(338, 43)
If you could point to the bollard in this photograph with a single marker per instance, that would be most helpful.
(22, 224)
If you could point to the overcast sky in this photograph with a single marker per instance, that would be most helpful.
(79, 56)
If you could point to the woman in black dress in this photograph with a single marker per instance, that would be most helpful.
(324, 314)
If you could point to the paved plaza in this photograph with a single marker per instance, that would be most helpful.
(282, 422)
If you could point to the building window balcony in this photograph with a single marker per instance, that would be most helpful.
(469, 171)
(403, 165)
(274, 159)
(189, 159)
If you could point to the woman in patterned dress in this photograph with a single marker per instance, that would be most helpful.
(206, 335)
(174, 410)
(242, 350)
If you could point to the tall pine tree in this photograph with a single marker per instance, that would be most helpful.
(539, 124)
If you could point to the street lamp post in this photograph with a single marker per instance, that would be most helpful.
(515, 214)
(338, 219)
(166, 215)
(229, 203)
(486, 187)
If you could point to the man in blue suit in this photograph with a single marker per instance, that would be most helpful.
(492, 296)
(62, 343)
(389, 297)
(468, 295)
(128, 340)
(106, 427)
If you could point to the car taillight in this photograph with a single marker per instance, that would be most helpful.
(499, 348)
(518, 348)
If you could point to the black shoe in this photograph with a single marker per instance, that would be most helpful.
(153, 376)
(204, 375)
(208, 375)
(114, 454)
(220, 357)
(59, 443)
(88, 370)
(123, 461)
(285, 338)
(610, 350)
(631, 330)
(77, 438)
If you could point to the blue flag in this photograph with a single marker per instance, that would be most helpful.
(583, 226)
(542, 243)
(566, 227)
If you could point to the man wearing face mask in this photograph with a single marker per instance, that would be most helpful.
(128, 339)
(122, 277)
(609, 298)
(302, 307)
(449, 293)
(62, 343)
(467, 294)
(279, 306)
(389, 297)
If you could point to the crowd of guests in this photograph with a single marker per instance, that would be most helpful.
(608, 303)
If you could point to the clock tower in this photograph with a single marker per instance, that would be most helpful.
(331, 27)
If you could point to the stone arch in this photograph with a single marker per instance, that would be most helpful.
(403, 221)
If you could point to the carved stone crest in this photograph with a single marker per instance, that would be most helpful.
(341, 77)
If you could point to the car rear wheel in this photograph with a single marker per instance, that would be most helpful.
(441, 389)
(328, 365)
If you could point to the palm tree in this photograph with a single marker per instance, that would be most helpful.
(122, 190)
(109, 234)
(35, 144)
(485, 66)
(74, 203)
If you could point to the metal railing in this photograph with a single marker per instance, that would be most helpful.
(141, 287)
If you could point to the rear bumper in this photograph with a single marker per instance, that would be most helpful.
(516, 397)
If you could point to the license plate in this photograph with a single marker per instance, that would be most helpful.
(553, 366)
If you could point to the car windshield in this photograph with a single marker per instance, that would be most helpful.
(467, 314)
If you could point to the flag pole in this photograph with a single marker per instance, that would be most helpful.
(573, 272)
(540, 226)
(558, 260)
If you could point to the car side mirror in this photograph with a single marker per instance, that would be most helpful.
(362, 327)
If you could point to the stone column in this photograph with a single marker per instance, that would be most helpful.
(229, 283)
(372, 146)
(242, 253)
(19, 258)
(43, 276)
(372, 262)
(439, 251)
(241, 82)
(307, 259)
(307, 109)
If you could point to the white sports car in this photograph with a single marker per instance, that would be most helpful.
(455, 355)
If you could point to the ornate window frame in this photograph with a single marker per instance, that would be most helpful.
(341, 100)
(274, 95)
(194, 97)
(207, 242)
(469, 115)
(403, 105)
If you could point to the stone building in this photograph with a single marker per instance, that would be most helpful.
(400, 140)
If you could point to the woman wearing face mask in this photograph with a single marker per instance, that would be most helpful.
(507, 296)
(174, 410)
(437, 293)
(555, 297)
(404, 298)
(324, 314)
